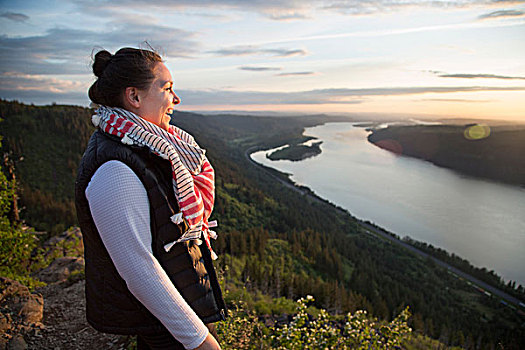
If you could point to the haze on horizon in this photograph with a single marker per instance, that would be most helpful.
(455, 59)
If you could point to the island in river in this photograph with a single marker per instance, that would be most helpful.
(495, 152)
(296, 151)
(479, 150)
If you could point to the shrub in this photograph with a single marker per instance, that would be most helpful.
(16, 242)
(242, 330)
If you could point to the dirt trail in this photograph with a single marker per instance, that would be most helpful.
(65, 323)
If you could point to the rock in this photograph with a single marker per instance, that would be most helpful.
(60, 269)
(10, 288)
(3, 343)
(16, 299)
(68, 243)
(17, 343)
(20, 313)
(32, 309)
(5, 322)
(67, 250)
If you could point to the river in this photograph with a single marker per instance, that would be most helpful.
(479, 220)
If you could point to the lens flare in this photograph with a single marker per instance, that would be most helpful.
(477, 132)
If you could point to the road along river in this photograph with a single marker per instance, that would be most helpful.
(479, 220)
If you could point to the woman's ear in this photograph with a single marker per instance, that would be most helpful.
(131, 97)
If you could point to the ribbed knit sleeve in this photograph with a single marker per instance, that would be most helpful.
(120, 209)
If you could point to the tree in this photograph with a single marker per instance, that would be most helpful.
(16, 241)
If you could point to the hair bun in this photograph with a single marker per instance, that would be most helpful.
(128, 67)
(102, 59)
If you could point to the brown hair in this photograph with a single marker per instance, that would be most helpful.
(128, 67)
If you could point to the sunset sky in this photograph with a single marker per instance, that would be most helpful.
(443, 58)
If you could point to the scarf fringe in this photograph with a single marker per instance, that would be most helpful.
(127, 140)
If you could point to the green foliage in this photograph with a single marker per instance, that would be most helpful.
(7, 192)
(274, 244)
(16, 242)
(422, 342)
(242, 330)
(464, 265)
(363, 332)
(47, 143)
(16, 245)
(360, 331)
(75, 276)
(303, 333)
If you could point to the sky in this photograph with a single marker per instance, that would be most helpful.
(456, 58)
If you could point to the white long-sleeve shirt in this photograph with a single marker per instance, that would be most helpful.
(120, 209)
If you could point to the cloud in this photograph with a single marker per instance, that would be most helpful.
(259, 69)
(453, 100)
(294, 74)
(245, 50)
(394, 32)
(320, 96)
(31, 82)
(272, 9)
(29, 88)
(286, 52)
(503, 14)
(293, 9)
(478, 76)
(17, 17)
(67, 51)
(369, 7)
(36, 88)
(46, 97)
(286, 14)
(222, 17)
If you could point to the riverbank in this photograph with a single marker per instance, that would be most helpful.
(487, 277)
(478, 150)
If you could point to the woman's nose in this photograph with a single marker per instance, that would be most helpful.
(176, 99)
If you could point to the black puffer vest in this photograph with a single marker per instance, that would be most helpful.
(110, 305)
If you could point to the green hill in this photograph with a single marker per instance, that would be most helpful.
(496, 152)
(273, 242)
(46, 144)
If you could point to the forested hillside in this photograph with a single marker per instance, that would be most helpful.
(496, 153)
(273, 242)
(46, 144)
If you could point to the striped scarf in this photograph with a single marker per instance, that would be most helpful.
(193, 176)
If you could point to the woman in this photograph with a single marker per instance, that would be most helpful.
(144, 193)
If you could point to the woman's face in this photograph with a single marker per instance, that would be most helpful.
(157, 102)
